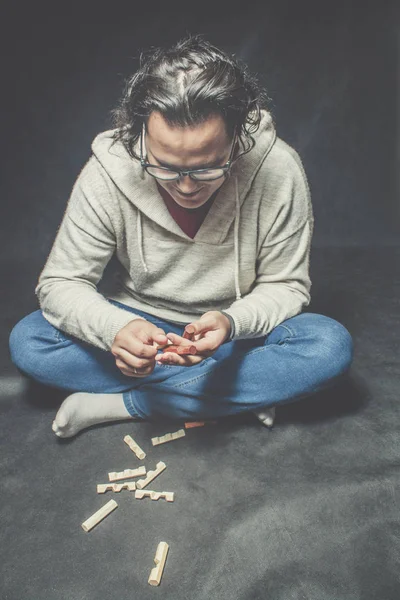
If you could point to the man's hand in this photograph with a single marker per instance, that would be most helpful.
(207, 334)
(135, 347)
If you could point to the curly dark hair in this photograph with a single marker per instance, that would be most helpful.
(187, 84)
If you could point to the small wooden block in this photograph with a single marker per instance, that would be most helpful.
(168, 437)
(180, 349)
(198, 424)
(162, 346)
(127, 474)
(151, 475)
(98, 516)
(134, 447)
(168, 496)
(159, 560)
(102, 488)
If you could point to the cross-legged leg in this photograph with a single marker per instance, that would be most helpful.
(48, 355)
(299, 357)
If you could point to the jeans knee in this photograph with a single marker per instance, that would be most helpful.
(19, 345)
(336, 346)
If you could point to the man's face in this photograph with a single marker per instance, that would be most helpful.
(184, 148)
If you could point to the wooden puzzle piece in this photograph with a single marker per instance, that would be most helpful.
(190, 424)
(134, 447)
(98, 516)
(168, 496)
(159, 560)
(151, 475)
(180, 349)
(171, 347)
(168, 437)
(162, 346)
(127, 474)
(102, 488)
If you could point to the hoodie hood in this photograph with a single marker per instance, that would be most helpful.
(141, 190)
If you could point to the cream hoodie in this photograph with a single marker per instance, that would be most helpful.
(250, 257)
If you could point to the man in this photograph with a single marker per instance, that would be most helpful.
(209, 215)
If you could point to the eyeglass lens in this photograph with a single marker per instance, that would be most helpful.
(207, 175)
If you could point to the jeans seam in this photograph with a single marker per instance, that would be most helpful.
(291, 333)
(59, 335)
(202, 375)
(129, 405)
(255, 350)
(185, 383)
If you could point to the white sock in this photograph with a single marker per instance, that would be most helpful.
(83, 409)
(266, 416)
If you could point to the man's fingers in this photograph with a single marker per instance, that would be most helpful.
(189, 333)
(207, 322)
(181, 349)
(171, 358)
(142, 345)
(132, 371)
(202, 345)
(190, 330)
(137, 348)
(148, 338)
(179, 340)
(132, 361)
(159, 336)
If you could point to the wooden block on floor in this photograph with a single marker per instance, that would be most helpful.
(102, 488)
(127, 474)
(151, 475)
(99, 515)
(168, 437)
(168, 496)
(134, 447)
(159, 560)
(191, 424)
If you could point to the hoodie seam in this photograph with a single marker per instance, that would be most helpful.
(287, 237)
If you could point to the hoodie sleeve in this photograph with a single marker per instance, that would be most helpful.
(282, 286)
(84, 244)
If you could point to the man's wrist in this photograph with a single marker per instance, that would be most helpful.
(232, 324)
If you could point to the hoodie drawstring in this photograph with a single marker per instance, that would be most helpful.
(140, 240)
(236, 241)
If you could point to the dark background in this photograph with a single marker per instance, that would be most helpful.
(332, 72)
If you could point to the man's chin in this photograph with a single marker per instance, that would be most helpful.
(191, 202)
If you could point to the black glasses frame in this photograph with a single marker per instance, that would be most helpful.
(225, 168)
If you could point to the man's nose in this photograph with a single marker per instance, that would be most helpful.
(187, 185)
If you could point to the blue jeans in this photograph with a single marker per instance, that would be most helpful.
(301, 356)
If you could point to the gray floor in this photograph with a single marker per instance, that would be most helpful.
(307, 511)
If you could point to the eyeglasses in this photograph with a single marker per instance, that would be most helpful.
(168, 174)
